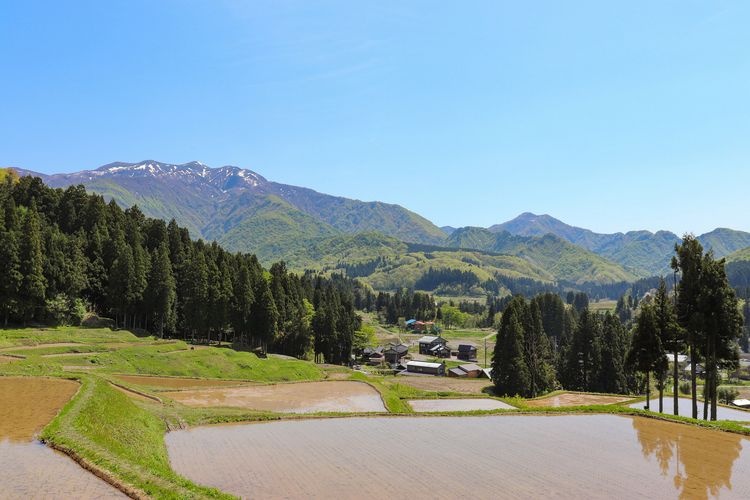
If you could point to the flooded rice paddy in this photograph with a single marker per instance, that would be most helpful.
(575, 399)
(176, 382)
(461, 385)
(307, 397)
(448, 457)
(426, 405)
(685, 406)
(29, 469)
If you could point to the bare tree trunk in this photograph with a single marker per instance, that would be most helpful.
(675, 396)
(648, 391)
(661, 392)
(694, 386)
(715, 380)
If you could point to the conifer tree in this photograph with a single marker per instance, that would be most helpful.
(510, 372)
(646, 353)
(10, 269)
(33, 285)
(161, 292)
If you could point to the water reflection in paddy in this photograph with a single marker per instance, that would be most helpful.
(582, 456)
(28, 469)
(685, 407)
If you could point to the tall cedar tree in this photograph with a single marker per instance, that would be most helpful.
(34, 285)
(646, 353)
(582, 356)
(10, 262)
(722, 326)
(510, 372)
(689, 263)
(671, 337)
(161, 292)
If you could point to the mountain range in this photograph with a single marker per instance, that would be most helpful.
(244, 211)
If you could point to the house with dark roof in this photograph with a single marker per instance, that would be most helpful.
(428, 342)
(394, 352)
(440, 351)
(467, 352)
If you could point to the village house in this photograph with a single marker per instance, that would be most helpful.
(467, 352)
(428, 342)
(440, 351)
(394, 352)
(374, 356)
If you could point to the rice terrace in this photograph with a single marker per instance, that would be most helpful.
(151, 418)
(374, 249)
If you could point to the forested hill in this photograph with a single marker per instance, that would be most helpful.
(643, 252)
(240, 208)
(561, 258)
(63, 252)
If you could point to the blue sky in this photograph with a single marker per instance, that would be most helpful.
(608, 115)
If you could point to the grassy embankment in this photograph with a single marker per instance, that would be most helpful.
(121, 438)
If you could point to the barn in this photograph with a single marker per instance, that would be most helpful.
(425, 367)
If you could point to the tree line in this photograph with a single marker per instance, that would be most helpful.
(542, 344)
(63, 252)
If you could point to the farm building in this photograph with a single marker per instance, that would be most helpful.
(424, 367)
(467, 352)
(394, 352)
(373, 355)
(440, 351)
(424, 326)
(409, 323)
(472, 370)
(369, 351)
(469, 370)
(428, 342)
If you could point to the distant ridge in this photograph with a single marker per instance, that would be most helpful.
(644, 252)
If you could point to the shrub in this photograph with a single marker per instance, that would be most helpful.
(685, 387)
(727, 394)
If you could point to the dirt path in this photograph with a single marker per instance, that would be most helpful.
(40, 346)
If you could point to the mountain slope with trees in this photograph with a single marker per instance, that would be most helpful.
(643, 252)
(561, 258)
(63, 252)
(214, 203)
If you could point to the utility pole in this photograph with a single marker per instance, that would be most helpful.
(485, 352)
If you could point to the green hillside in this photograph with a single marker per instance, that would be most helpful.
(739, 255)
(265, 225)
(558, 257)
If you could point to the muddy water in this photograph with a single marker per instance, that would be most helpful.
(307, 397)
(28, 404)
(572, 456)
(424, 405)
(176, 382)
(27, 467)
(685, 407)
(575, 399)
